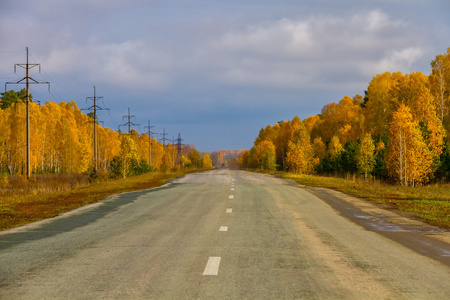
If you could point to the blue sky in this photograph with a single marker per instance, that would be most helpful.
(216, 71)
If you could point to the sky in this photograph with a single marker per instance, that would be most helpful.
(215, 71)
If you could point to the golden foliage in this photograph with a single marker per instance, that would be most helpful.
(409, 158)
(62, 140)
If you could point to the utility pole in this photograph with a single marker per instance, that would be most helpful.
(27, 79)
(164, 139)
(179, 145)
(129, 123)
(95, 107)
(149, 133)
(173, 151)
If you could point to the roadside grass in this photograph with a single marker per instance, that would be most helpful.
(429, 203)
(46, 196)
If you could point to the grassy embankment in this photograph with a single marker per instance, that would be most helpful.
(46, 196)
(429, 203)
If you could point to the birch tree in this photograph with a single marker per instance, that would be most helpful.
(365, 156)
(408, 158)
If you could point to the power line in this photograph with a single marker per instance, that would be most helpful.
(129, 123)
(27, 80)
(95, 107)
(163, 139)
(149, 133)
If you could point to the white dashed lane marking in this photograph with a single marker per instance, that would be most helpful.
(231, 197)
(229, 210)
(212, 266)
(223, 228)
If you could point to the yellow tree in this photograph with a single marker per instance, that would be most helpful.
(408, 88)
(281, 142)
(244, 159)
(128, 154)
(380, 107)
(195, 158)
(17, 138)
(109, 146)
(300, 154)
(167, 162)
(157, 154)
(343, 118)
(4, 141)
(366, 158)
(423, 112)
(37, 127)
(265, 155)
(310, 122)
(296, 123)
(319, 148)
(207, 162)
(437, 79)
(334, 148)
(440, 86)
(408, 159)
(185, 162)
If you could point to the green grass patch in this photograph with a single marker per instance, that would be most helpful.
(429, 203)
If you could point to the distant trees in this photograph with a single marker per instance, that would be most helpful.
(207, 162)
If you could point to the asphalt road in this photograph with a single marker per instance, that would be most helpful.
(225, 235)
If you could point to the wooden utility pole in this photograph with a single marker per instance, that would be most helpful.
(27, 79)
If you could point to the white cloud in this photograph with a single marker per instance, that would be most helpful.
(397, 60)
(127, 64)
(313, 52)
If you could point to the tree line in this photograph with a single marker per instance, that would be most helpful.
(62, 141)
(397, 131)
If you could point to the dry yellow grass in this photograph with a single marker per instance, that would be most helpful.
(429, 203)
(46, 196)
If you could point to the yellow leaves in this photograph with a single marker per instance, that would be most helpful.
(409, 158)
(342, 117)
(335, 147)
(167, 162)
(128, 154)
(380, 146)
(300, 154)
(262, 154)
(319, 148)
(184, 161)
(380, 106)
(365, 157)
(207, 161)
(62, 140)
(310, 122)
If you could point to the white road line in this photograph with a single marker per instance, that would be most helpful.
(231, 197)
(223, 228)
(229, 210)
(212, 266)
(232, 189)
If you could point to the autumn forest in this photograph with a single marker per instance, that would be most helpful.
(397, 132)
(62, 141)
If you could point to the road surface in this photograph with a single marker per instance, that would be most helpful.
(225, 235)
